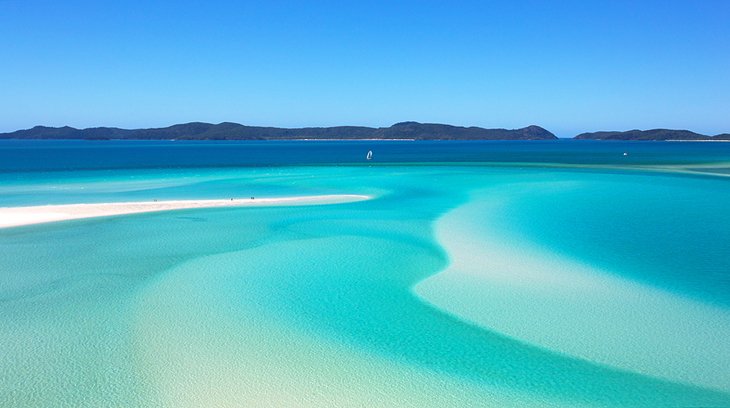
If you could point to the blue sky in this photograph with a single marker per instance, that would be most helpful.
(570, 67)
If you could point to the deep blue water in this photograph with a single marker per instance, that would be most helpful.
(44, 155)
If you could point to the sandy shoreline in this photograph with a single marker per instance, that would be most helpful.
(18, 216)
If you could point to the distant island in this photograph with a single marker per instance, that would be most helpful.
(235, 131)
(653, 134)
(399, 131)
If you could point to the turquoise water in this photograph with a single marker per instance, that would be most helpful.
(564, 276)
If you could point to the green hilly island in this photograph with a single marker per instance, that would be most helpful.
(235, 131)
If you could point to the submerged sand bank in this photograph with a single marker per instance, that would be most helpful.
(498, 280)
(17, 216)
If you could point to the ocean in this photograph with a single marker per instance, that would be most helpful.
(479, 274)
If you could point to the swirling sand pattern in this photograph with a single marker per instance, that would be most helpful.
(315, 306)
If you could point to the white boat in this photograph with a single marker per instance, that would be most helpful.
(369, 155)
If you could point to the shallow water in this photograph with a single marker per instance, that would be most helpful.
(483, 274)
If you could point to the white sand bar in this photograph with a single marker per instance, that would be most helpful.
(510, 285)
(17, 216)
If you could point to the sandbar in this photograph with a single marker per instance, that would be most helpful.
(19, 216)
(501, 281)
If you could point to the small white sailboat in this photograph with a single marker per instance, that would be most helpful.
(369, 156)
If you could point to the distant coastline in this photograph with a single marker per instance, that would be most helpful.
(403, 131)
(653, 135)
(235, 131)
(700, 140)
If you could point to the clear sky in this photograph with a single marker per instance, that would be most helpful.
(570, 66)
